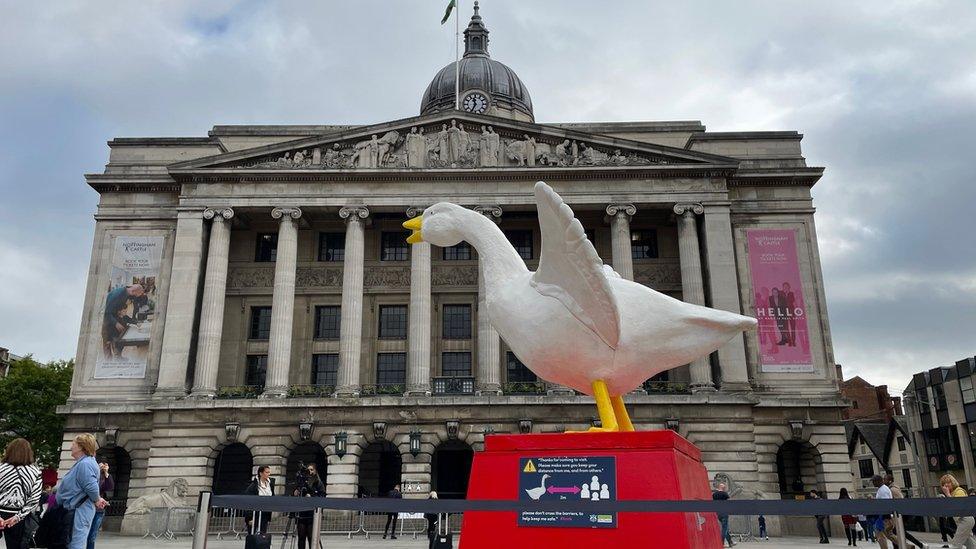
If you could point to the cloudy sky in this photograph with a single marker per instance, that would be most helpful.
(884, 92)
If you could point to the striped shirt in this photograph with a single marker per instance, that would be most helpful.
(20, 489)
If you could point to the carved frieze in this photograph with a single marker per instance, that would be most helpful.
(657, 274)
(317, 277)
(250, 277)
(386, 277)
(454, 275)
(452, 146)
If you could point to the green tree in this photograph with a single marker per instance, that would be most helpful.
(29, 397)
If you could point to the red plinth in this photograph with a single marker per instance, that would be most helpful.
(646, 465)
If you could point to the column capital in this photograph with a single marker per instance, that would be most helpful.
(218, 214)
(353, 213)
(626, 209)
(693, 208)
(281, 212)
(414, 211)
(492, 212)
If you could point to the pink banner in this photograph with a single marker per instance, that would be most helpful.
(784, 342)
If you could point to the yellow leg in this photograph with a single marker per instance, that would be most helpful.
(620, 411)
(605, 407)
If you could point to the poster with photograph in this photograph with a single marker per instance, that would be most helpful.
(128, 307)
(784, 341)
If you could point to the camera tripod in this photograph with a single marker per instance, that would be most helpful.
(291, 529)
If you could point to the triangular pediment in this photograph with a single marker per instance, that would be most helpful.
(453, 141)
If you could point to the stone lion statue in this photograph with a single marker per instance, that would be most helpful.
(173, 496)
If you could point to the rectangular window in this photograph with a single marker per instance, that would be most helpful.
(391, 369)
(260, 323)
(906, 478)
(324, 369)
(327, 321)
(461, 252)
(522, 241)
(901, 443)
(257, 370)
(866, 467)
(643, 244)
(516, 372)
(393, 322)
(267, 247)
(457, 321)
(966, 386)
(394, 247)
(940, 398)
(456, 364)
(332, 246)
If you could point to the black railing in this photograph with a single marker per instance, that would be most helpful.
(666, 387)
(240, 391)
(307, 391)
(524, 388)
(395, 389)
(452, 385)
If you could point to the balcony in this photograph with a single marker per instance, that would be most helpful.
(239, 391)
(452, 386)
(311, 391)
(392, 389)
(524, 388)
(666, 387)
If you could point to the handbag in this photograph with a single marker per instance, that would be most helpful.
(54, 530)
(256, 539)
(858, 527)
(445, 539)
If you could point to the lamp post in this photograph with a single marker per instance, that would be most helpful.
(414, 443)
(340, 443)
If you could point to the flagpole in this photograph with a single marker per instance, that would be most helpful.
(457, 56)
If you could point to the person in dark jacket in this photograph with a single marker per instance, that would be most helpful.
(313, 488)
(262, 485)
(432, 519)
(723, 520)
(106, 485)
(391, 518)
(821, 519)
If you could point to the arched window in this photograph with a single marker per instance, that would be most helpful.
(308, 453)
(380, 469)
(450, 469)
(233, 469)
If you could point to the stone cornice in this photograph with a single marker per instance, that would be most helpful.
(804, 177)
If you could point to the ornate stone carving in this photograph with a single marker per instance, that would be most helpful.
(493, 213)
(353, 212)
(250, 277)
(279, 212)
(173, 496)
(628, 209)
(657, 273)
(454, 275)
(414, 211)
(386, 276)
(317, 277)
(212, 213)
(695, 208)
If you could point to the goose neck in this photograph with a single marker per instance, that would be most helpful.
(499, 260)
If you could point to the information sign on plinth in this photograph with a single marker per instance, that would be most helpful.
(592, 467)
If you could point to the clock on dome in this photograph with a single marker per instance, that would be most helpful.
(475, 102)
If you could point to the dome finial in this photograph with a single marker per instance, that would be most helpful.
(476, 35)
(475, 9)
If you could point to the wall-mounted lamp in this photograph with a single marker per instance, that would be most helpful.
(305, 430)
(453, 426)
(232, 429)
(414, 443)
(340, 443)
(525, 426)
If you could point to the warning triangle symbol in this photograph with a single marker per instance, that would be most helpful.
(529, 467)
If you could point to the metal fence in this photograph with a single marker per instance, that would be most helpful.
(170, 523)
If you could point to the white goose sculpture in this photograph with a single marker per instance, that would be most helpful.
(575, 321)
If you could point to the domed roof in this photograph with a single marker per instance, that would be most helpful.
(507, 95)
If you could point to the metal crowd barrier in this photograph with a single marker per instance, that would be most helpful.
(171, 522)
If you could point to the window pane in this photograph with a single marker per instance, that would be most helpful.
(267, 247)
(461, 252)
(393, 321)
(968, 394)
(260, 323)
(394, 247)
(257, 370)
(522, 241)
(327, 321)
(332, 246)
(901, 444)
(457, 321)
(391, 368)
(906, 478)
(516, 371)
(456, 364)
(324, 368)
(643, 244)
(867, 468)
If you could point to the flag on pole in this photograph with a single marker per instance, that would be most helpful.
(447, 12)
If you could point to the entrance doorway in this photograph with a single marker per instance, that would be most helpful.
(450, 469)
(233, 469)
(380, 469)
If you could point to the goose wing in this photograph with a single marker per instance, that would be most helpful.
(570, 269)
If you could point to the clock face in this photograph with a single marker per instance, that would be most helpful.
(475, 102)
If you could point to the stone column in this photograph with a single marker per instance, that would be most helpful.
(623, 261)
(489, 366)
(418, 340)
(181, 307)
(351, 322)
(692, 287)
(212, 307)
(723, 283)
(282, 303)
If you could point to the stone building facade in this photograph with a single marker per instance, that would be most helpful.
(279, 315)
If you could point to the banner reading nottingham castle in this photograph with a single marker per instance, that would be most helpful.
(129, 307)
(784, 342)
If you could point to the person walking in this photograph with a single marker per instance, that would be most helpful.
(106, 484)
(391, 518)
(432, 520)
(20, 491)
(262, 485)
(849, 521)
(866, 528)
(880, 523)
(314, 488)
(821, 520)
(896, 493)
(78, 492)
(762, 528)
(964, 525)
(723, 520)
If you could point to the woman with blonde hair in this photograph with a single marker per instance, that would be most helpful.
(20, 491)
(78, 492)
(964, 525)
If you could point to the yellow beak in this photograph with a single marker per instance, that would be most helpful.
(414, 225)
